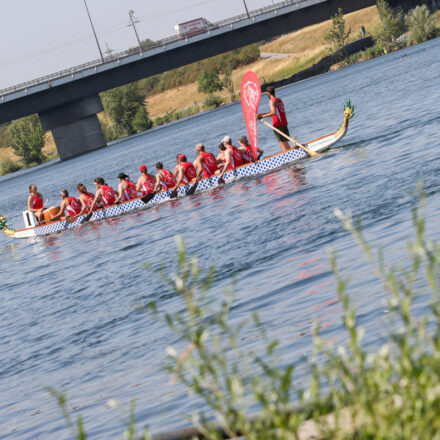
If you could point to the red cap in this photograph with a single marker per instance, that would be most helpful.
(143, 168)
(181, 157)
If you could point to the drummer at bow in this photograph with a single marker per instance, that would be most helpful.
(35, 202)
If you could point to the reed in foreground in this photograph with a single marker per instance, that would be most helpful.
(391, 391)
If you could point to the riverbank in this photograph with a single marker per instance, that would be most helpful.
(293, 57)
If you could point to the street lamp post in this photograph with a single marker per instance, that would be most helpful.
(94, 33)
(133, 21)
(245, 6)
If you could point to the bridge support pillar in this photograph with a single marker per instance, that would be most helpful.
(75, 126)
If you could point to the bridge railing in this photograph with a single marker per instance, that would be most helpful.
(144, 48)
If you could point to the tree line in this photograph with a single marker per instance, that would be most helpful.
(395, 31)
(124, 107)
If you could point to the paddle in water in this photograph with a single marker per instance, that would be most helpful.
(250, 100)
(149, 197)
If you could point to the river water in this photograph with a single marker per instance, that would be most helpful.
(69, 315)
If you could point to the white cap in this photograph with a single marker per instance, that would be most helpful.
(227, 139)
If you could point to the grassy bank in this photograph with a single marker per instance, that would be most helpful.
(305, 47)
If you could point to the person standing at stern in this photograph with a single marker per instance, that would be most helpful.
(279, 119)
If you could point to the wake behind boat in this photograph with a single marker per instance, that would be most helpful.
(256, 168)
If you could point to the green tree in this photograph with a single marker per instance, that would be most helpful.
(421, 24)
(229, 84)
(209, 82)
(26, 138)
(337, 36)
(122, 104)
(391, 23)
(141, 121)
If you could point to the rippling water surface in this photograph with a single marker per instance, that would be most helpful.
(69, 315)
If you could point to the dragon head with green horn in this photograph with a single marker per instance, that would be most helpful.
(348, 110)
(4, 226)
(348, 114)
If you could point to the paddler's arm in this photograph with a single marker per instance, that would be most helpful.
(199, 165)
(139, 184)
(178, 174)
(83, 205)
(120, 193)
(267, 115)
(158, 182)
(95, 201)
(61, 211)
(228, 154)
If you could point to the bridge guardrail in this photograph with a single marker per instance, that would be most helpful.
(144, 47)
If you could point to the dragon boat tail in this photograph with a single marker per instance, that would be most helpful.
(258, 167)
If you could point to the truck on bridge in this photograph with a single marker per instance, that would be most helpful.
(193, 27)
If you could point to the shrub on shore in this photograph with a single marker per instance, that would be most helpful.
(8, 166)
(421, 24)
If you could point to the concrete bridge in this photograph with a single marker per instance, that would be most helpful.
(67, 102)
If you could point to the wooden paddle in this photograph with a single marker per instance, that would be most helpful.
(295, 142)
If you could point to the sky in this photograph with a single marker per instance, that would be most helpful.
(40, 37)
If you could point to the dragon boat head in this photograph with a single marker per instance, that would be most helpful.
(4, 226)
(348, 110)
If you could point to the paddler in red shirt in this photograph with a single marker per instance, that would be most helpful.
(104, 193)
(126, 189)
(164, 178)
(246, 149)
(146, 182)
(232, 157)
(279, 119)
(206, 163)
(85, 198)
(185, 171)
(35, 202)
(70, 204)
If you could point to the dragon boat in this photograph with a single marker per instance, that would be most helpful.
(256, 168)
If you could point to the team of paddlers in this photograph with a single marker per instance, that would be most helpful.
(205, 165)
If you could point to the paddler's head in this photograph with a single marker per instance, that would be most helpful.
(159, 166)
(200, 148)
(143, 169)
(81, 188)
(98, 182)
(122, 176)
(227, 140)
(270, 91)
(222, 147)
(243, 140)
(64, 193)
(181, 158)
(33, 188)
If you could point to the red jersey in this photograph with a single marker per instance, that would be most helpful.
(168, 180)
(148, 185)
(237, 158)
(108, 195)
(37, 201)
(279, 119)
(73, 207)
(248, 155)
(209, 164)
(190, 172)
(89, 200)
(130, 192)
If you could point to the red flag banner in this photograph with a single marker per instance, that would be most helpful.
(250, 99)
